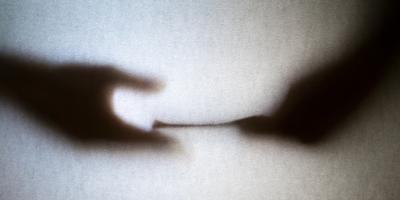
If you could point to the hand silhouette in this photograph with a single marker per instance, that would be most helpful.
(74, 98)
(320, 102)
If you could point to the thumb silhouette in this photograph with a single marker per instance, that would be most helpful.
(74, 98)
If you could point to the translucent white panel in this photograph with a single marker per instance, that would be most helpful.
(219, 60)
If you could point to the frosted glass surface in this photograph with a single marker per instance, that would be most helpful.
(217, 61)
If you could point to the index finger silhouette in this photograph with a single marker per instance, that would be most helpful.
(74, 98)
(322, 101)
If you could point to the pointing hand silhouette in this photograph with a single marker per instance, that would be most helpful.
(323, 100)
(74, 98)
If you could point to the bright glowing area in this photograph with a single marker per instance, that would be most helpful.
(218, 61)
(136, 108)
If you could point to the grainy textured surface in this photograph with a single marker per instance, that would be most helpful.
(219, 60)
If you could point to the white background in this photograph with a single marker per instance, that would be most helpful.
(219, 60)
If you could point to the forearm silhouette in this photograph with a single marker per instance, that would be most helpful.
(322, 101)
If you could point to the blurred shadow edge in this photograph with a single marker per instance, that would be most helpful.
(322, 101)
(74, 99)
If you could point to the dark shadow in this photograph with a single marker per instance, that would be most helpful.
(74, 98)
(321, 102)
